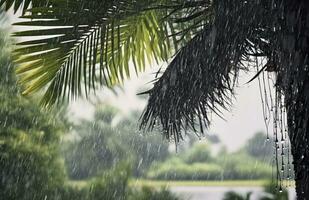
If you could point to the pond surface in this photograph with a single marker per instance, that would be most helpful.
(217, 193)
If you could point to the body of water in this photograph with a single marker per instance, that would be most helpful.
(217, 193)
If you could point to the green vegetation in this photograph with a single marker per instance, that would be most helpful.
(103, 156)
(147, 193)
(37, 163)
(99, 146)
(171, 183)
(208, 44)
(227, 166)
(31, 162)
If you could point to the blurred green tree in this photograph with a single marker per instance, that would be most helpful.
(95, 151)
(31, 168)
(101, 145)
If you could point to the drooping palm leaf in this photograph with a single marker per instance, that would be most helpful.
(202, 76)
(85, 42)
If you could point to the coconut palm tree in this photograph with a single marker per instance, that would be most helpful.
(89, 42)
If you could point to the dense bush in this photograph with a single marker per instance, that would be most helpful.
(232, 166)
(147, 193)
(29, 170)
(30, 164)
(112, 185)
(176, 169)
(241, 166)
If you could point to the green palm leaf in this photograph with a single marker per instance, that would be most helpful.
(86, 42)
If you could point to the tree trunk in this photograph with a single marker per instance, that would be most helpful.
(295, 82)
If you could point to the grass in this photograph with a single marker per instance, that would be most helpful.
(155, 183)
(234, 183)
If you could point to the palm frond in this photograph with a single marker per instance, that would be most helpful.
(189, 89)
(85, 42)
(22, 4)
(201, 78)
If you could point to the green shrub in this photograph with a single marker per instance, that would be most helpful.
(232, 166)
(176, 169)
(111, 185)
(30, 165)
(147, 193)
(242, 166)
(30, 170)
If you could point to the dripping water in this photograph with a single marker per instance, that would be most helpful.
(274, 113)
